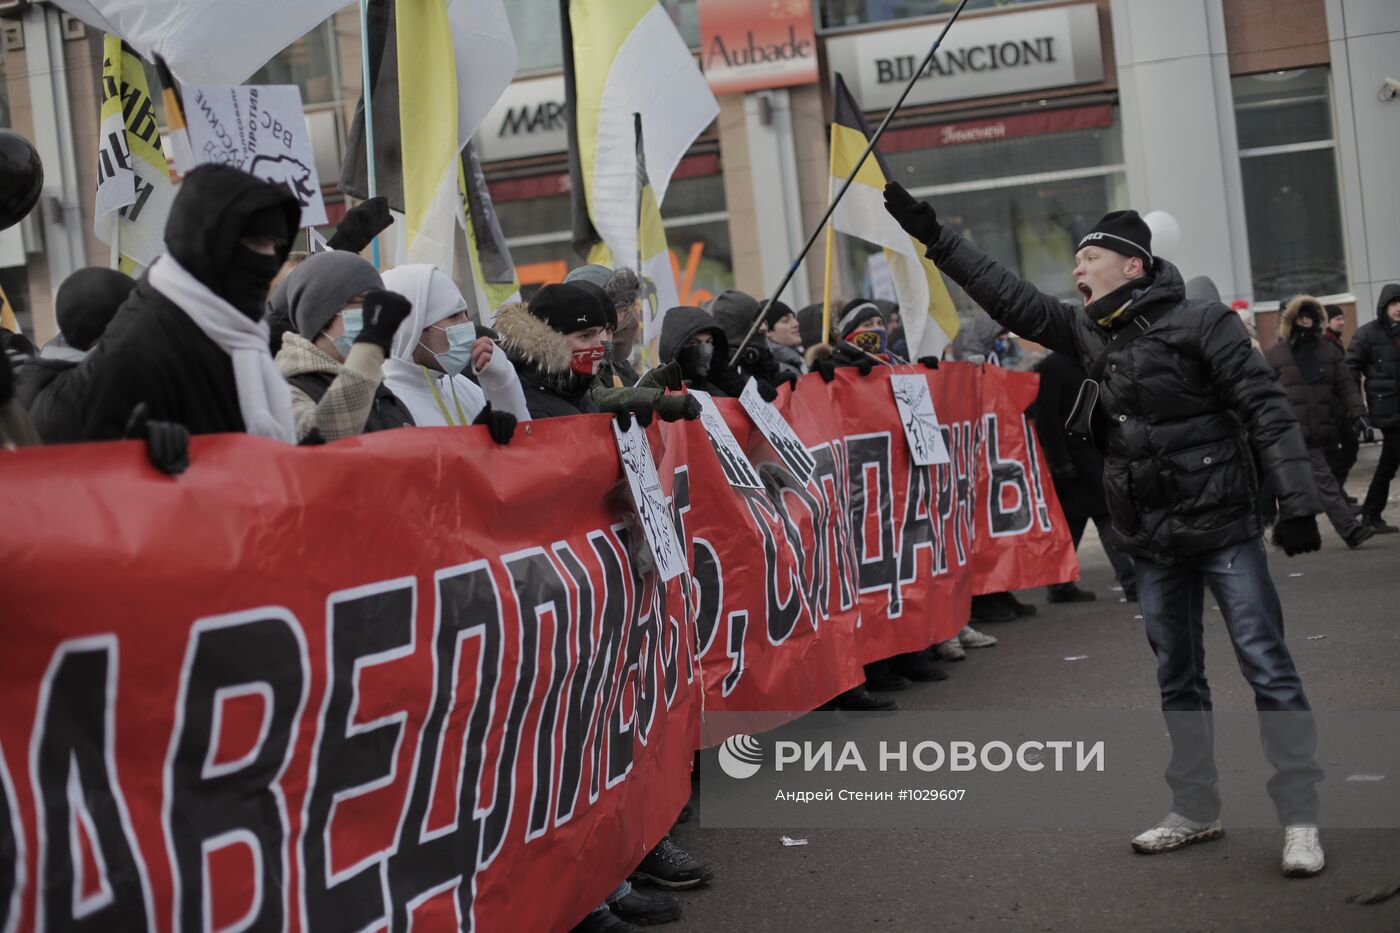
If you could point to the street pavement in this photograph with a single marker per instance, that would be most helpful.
(1090, 879)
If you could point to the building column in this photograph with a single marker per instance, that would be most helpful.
(1364, 36)
(1179, 138)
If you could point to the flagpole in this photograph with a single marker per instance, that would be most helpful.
(846, 186)
(366, 95)
(830, 248)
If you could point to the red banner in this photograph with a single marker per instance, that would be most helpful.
(416, 676)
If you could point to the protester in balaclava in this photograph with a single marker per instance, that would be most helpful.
(190, 342)
(344, 324)
(84, 306)
(735, 312)
(1374, 356)
(433, 351)
(1314, 374)
(785, 339)
(1342, 457)
(696, 342)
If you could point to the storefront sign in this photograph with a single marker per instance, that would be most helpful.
(528, 120)
(984, 57)
(995, 129)
(748, 46)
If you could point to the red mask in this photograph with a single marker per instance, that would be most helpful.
(585, 362)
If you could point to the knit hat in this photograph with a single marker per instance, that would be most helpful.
(593, 273)
(775, 313)
(319, 287)
(571, 307)
(1123, 232)
(597, 293)
(1334, 312)
(856, 313)
(86, 303)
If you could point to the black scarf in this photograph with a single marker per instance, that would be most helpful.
(1305, 354)
(1108, 309)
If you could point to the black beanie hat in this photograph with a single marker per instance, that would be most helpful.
(1334, 311)
(600, 295)
(1124, 232)
(775, 313)
(86, 303)
(568, 308)
(856, 313)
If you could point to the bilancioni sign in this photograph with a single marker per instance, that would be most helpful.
(747, 46)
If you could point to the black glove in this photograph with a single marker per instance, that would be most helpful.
(384, 312)
(766, 391)
(626, 411)
(1065, 473)
(866, 366)
(1365, 430)
(167, 443)
(786, 377)
(916, 217)
(314, 438)
(826, 368)
(1297, 535)
(929, 362)
(361, 224)
(501, 424)
(677, 406)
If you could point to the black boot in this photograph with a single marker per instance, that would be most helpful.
(918, 665)
(1022, 610)
(991, 608)
(1070, 593)
(603, 920)
(861, 700)
(670, 866)
(646, 909)
(880, 676)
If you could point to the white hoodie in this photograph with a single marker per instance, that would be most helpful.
(435, 297)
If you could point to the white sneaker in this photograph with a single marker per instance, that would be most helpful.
(950, 650)
(1302, 852)
(1174, 832)
(969, 637)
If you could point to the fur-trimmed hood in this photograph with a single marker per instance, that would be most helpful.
(1290, 314)
(531, 343)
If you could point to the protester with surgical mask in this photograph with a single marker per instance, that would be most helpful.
(433, 351)
(343, 326)
(190, 344)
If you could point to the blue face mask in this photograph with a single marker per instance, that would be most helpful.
(353, 320)
(460, 338)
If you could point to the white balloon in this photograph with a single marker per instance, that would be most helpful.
(1166, 233)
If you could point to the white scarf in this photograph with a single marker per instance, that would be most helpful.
(263, 396)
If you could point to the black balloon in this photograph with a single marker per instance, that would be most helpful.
(21, 178)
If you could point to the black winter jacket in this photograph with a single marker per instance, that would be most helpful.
(1188, 404)
(541, 357)
(1375, 356)
(1061, 375)
(1328, 401)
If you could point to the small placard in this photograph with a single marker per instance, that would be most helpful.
(779, 433)
(732, 458)
(921, 430)
(642, 479)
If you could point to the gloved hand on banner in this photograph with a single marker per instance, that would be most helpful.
(785, 377)
(677, 406)
(916, 217)
(501, 424)
(383, 313)
(929, 362)
(766, 391)
(167, 443)
(626, 411)
(1297, 535)
(361, 224)
(1365, 431)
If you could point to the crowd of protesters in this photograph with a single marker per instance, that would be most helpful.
(231, 331)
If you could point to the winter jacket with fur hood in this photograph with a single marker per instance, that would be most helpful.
(542, 357)
(1187, 406)
(1314, 374)
(1374, 355)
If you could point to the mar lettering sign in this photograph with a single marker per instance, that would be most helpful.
(746, 46)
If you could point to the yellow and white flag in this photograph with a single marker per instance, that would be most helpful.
(627, 58)
(134, 191)
(659, 291)
(926, 309)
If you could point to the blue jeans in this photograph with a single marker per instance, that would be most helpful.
(1172, 600)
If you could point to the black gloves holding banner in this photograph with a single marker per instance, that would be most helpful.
(383, 313)
(626, 411)
(501, 424)
(1297, 535)
(916, 217)
(167, 443)
(361, 224)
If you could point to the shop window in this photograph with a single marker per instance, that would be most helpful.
(834, 14)
(1025, 194)
(309, 63)
(1288, 164)
(535, 24)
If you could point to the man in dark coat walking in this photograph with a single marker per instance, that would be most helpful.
(1077, 469)
(1319, 385)
(1375, 357)
(1343, 457)
(1181, 403)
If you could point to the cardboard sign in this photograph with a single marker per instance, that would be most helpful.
(261, 130)
(642, 479)
(779, 433)
(732, 458)
(921, 430)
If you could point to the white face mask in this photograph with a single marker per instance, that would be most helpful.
(460, 338)
(353, 321)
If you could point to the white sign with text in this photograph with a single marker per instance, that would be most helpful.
(645, 484)
(921, 430)
(779, 433)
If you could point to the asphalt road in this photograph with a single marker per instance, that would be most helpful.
(1089, 879)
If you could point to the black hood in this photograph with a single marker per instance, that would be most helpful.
(683, 323)
(1390, 293)
(735, 311)
(809, 323)
(86, 303)
(208, 216)
(1166, 286)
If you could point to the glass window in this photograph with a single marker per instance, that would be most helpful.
(836, 13)
(535, 24)
(307, 63)
(1025, 201)
(1289, 169)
